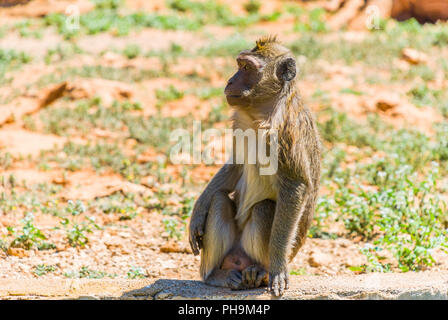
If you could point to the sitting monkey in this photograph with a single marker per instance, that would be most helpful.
(248, 225)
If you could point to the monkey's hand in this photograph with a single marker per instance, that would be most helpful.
(278, 282)
(254, 276)
(197, 226)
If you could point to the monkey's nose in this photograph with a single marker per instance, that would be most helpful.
(226, 89)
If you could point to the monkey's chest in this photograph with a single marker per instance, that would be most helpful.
(251, 189)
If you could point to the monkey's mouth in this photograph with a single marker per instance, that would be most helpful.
(235, 99)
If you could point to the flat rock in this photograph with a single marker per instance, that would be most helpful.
(378, 286)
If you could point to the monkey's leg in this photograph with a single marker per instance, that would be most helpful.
(304, 224)
(219, 237)
(255, 242)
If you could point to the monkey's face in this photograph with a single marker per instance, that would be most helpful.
(259, 79)
(240, 86)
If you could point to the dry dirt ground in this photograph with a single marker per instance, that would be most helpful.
(372, 286)
(136, 197)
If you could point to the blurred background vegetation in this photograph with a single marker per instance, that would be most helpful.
(107, 94)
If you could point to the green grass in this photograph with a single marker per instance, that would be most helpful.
(136, 273)
(376, 50)
(76, 232)
(392, 201)
(99, 71)
(123, 205)
(169, 94)
(62, 52)
(86, 272)
(184, 15)
(132, 51)
(29, 236)
(11, 59)
(27, 29)
(403, 216)
(43, 269)
(5, 160)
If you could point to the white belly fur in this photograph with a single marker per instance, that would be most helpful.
(261, 187)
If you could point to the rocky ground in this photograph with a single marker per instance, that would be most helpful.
(409, 286)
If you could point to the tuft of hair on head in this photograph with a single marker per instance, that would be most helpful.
(263, 42)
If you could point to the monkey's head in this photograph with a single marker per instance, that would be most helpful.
(263, 74)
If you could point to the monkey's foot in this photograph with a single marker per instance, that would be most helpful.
(235, 280)
(254, 276)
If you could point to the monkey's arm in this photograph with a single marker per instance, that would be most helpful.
(225, 180)
(291, 198)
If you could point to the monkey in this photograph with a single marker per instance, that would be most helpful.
(250, 226)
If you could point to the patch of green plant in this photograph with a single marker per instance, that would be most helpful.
(214, 12)
(422, 95)
(172, 228)
(324, 212)
(351, 91)
(169, 56)
(309, 46)
(136, 273)
(440, 37)
(156, 130)
(404, 217)
(124, 205)
(206, 93)
(107, 4)
(88, 115)
(85, 272)
(170, 94)
(35, 198)
(333, 159)
(377, 49)
(59, 20)
(132, 51)
(11, 59)
(186, 15)
(5, 160)
(439, 149)
(120, 117)
(252, 6)
(27, 29)
(423, 72)
(100, 156)
(30, 236)
(3, 245)
(42, 269)
(340, 128)
(374, 261)
(61, 52)
(314, 22)
(76, 232)
(298, 272)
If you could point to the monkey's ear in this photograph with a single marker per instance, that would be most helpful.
(286, 69)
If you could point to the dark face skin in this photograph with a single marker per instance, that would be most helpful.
(243, 88)
(243, 81)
